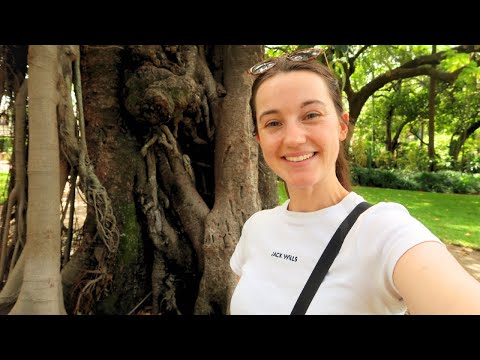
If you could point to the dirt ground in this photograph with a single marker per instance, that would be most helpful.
(469, 258)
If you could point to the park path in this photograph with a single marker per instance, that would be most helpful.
(469, 258)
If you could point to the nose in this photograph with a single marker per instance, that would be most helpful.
(295, 134)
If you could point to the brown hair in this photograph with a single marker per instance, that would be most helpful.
(282, 65)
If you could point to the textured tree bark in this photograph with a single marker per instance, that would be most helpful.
(41, 291)
(116, 161)
(9, 293)
(169, 137)
(18, 194)
(267, 184)
(236, 181)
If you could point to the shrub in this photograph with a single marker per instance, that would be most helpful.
(445, 181)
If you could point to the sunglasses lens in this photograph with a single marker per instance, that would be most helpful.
(303, 55)
(262, 67)
(300, 55)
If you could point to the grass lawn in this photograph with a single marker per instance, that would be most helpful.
(454, 218)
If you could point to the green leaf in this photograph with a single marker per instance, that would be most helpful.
(342, 48)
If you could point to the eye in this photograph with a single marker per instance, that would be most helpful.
(273, 123)
(312, 115)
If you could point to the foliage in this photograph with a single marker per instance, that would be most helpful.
(381, 178)
(411, 157)
(282, 191)
(3, 186)
(272, 51)
(359, 151)
(6, 146)
(445, 181)
(448, 182)
(385, 160)
(404, 104)
(451, 217)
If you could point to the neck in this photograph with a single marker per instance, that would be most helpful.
(315, 198)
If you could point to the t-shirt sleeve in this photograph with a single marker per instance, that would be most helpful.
(399, 232)
(239, 254)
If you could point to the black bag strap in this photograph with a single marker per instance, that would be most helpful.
(326, 260)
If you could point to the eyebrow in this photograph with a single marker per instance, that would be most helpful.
(305, 103)
(309, 102)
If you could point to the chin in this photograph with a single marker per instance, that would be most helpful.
(300, 183)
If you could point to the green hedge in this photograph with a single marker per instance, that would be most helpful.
(445, 181)
(6, 144)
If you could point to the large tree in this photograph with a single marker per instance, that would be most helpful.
(161, 140)
(421, 65)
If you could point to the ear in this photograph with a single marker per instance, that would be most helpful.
(344, 126)
(257, 137)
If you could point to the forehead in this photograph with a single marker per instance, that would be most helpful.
(292, 87)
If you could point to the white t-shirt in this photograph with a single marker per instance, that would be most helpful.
(278, 250)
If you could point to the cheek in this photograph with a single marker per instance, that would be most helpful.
(330, 143)
(328, 138)
(268, 144)
(338, 133)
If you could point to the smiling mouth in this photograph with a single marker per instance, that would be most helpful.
(299, 158)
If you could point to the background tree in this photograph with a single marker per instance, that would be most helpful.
(399, 68)
(459, 110)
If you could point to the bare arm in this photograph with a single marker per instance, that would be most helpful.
(431, 281)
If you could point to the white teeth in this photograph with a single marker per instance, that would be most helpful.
(299, 158)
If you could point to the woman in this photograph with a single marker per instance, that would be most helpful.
(389, 261)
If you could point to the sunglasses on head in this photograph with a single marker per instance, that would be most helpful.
(299, 55)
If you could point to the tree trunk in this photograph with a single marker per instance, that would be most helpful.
(267, 184)
(17, 196)
(388, 136)
(236, 181)
(456, 144)
(172, 168)
(116, 162)
(41, 291)
(431, 117)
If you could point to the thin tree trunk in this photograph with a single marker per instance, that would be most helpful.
(267, 184)
(17, 196)
(9, 293)
(41, 291)
(431, 117)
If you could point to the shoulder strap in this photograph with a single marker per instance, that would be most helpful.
(326, 260)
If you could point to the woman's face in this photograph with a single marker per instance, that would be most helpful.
(299, 129)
